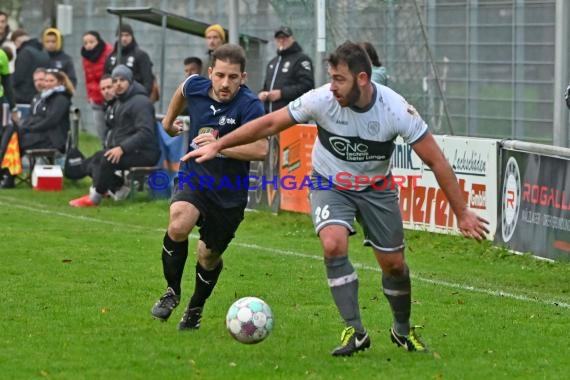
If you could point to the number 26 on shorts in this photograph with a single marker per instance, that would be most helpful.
(322, 213)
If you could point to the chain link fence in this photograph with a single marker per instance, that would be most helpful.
(479, 67)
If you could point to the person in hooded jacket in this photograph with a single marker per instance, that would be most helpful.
(58, 59)
(288, 75)
(133, 57)
(48, 124)
(94, 53)
(30, 56)
(132, 141)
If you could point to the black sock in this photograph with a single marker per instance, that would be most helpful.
(205, 282)
(174, 256)
(398, 291)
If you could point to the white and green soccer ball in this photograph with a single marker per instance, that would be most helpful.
(249, 320)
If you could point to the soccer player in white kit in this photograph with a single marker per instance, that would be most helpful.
(357, 122)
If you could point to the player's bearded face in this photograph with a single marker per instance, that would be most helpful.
(353, 95)
(226, 80)
(344, 85)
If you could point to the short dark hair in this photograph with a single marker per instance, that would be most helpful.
(40, 70)
(2, 13)
(190, 60)
(106, 76)
(369, 48)
(230, 53)
(17, 34)
(354, 56)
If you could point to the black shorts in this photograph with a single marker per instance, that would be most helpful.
(217, 225)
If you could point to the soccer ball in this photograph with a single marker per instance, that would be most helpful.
(249, 320)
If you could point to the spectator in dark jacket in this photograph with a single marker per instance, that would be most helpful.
(48, 124)
(109, 99)
(133, 57)
(132, 141)
(30, 56)
(53, 44)
(288, 75)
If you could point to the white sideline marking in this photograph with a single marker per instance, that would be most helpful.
(469, 288)
(495, 293)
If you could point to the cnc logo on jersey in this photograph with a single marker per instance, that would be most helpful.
(226, 120)
(286, 67)
(352, 150)
(511, 199)
(306, 65)
(374, 128)
(355, 148)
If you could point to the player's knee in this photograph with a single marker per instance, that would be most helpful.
(178, 230)
(396, 267)
(333, 246)
(209, 261)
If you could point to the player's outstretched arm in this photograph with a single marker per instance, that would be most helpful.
(264, 126)
(469, 223)
(175, 106)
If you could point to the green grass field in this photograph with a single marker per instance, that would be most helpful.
(78, 285)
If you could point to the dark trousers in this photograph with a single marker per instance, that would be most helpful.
(103, 171)
(32, 140)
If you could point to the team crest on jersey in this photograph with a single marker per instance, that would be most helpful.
(373, 128)
(131, 61)
(286, 67)
(306, 65)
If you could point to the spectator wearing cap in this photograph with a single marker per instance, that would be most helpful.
(132, 56)
(30, 56)
(132, 141)
(58, 59)
(288, 75)
(215, 37)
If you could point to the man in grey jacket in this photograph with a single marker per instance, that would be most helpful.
(131, 142)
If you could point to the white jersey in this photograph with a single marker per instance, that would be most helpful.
(359, 142)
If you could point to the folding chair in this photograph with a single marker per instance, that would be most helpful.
(50, 155)
(171, 150)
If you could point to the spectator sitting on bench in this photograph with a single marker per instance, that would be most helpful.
(48, 124)
(132, 141)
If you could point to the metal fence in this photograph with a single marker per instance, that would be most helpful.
(479, 67)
